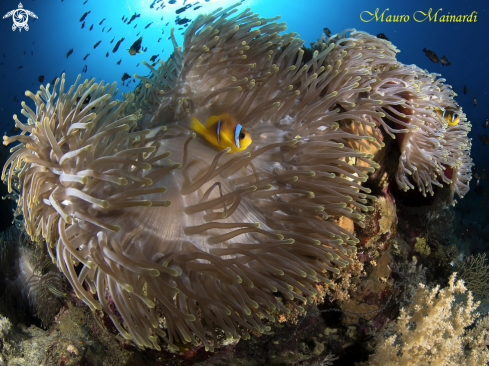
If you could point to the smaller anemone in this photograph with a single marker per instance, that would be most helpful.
(434, 151)
(31, 279)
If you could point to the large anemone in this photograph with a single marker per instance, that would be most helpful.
(186, 240)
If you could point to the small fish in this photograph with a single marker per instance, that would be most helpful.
(137, 64)
(153, 58)
(83, 25)
(15, 129)
(166, 25)
(125, 20)
(101, 21)
(112, 40)
(69, 53)
(109, 29)
(133, 17)
(96, 44)
(55, 291)
(475, 102)
(465, 90)
(122, 18)
(117, 45)
(46, 266)
(197, 7)
(475, 175)
(20, 67)
(85, 2)
(149, 25)
(484, 139)
(486, 122)
(84, 68)
(119, 62)
(84, 58)
(181, 10)
(41, 78)
(382, 36)
(32, 53)
(136, 46)
(84, 16)
(326, 31)
(431, 55)
(466, 232)
(138, 34)
(224, 132)
(107, 55)
(125, 76)
(52, 82)
(182, 21)
(103, 29)
(86, 101)
(91, 27)
(135, 26)
(450, 117)
(159, 39)
(444, 61)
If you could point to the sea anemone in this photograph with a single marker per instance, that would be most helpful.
(29, 276)
(433, 152)
(208, 240)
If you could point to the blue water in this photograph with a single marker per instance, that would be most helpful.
(58, 29)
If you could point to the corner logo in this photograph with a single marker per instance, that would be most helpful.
(20, 17)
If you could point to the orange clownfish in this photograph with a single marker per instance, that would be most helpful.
(223, 131)
(451, 118)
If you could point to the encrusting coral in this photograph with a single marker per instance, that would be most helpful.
(220, 241)
(422, 246)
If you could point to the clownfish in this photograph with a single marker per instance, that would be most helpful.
(451, 118)
(223, 131)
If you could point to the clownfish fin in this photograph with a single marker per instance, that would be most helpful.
(197, 126)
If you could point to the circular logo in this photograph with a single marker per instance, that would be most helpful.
(20, 18)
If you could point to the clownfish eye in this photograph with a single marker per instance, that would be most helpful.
(241, 136)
